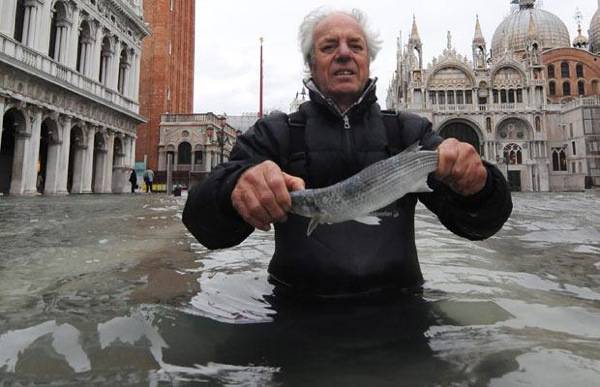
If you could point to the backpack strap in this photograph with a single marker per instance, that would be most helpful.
(297, 123)
(393, 129)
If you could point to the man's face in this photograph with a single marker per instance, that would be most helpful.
(340, 65)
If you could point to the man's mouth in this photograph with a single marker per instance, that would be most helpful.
(344, 73)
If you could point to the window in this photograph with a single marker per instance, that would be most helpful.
(581, 88)
(559, 159)
(19, 21)
(459, 98)
(579, 70)
(552, 88)
(432, 97)
(513, 153)
(503, 97)
(519, 96)
(468, 97)
(566, 88)
(198, 157)
(495, 94)
(488, 124)
(184, 153)
(550, 71)
(564, 70)
(441, 97)
(538, 123)
(573, 148)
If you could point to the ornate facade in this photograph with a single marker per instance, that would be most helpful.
(513, 103)
(196, 142)
(69, 72)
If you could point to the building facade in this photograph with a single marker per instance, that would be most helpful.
(167, 77)
(529, 104)
(196, 143)
(69, 75)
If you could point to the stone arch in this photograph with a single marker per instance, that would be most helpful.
(83, 45)
(106, 52)
(464, 130)
(434, 77)
(58, 30)
(506, 66)
(13, 123)
(123, 69)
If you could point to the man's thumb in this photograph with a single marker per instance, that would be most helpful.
(293, 183)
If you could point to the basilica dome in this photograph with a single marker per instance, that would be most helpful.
(514, 30)
(595, 33)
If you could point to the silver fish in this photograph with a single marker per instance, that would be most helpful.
(373, 188)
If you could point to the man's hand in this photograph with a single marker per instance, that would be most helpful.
(460, 167)
(261, 195)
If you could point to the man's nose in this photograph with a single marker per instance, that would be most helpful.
(343, 52)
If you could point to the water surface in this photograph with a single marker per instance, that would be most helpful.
(111, 290)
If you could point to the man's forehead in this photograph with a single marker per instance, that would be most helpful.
(336, 24)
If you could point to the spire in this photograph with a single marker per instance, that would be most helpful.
(478, 38)
(414, 33)
(581, 41)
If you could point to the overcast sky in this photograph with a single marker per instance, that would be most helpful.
(227, 42)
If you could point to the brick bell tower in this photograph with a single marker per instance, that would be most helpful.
(167, 70)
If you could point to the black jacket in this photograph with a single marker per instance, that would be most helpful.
(347, 257)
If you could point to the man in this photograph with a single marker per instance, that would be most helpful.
(148, 178)
(337, 133)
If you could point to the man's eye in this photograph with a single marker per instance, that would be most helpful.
(356, 47)
(328, 48)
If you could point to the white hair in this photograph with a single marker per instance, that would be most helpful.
(310, 22)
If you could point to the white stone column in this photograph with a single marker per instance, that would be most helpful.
(96, 52)
(8, 13)
(26, 26)
(43, 22)
(136, 77)
(52, 166)
(113, 68)
(108, 163)
(34, 144)
(88, 162)
(65, 149)
(73, 39)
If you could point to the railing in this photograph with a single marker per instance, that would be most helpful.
(46, 65)
(202, 118)
(582, 101)
(481, 108)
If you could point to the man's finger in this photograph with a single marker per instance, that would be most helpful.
(293, 183)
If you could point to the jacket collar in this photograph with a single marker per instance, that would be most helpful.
(367, 98)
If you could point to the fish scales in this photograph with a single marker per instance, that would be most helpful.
(373, 188)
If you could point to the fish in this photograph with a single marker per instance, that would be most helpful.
(358, 197)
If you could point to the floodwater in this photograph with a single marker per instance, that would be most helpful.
(111, 290)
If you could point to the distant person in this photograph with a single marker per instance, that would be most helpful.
(133, 180)
(39, 184)
(336, 134)
(148, 178)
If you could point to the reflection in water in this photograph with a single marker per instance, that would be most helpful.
(520, 308)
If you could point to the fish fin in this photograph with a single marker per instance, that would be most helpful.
(413, 148)
(422, 187)
(368, 220)
(314, 222)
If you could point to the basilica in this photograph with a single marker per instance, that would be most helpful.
(69, 80)
(530, 103)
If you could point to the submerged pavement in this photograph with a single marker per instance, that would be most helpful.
(101, 290)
